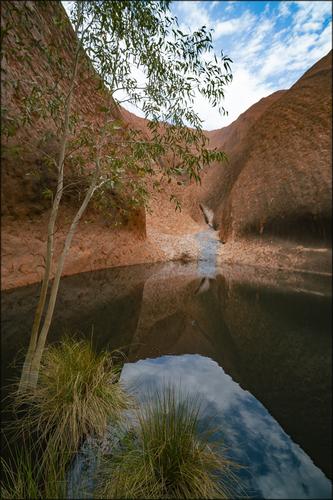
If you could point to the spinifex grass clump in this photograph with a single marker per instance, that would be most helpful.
(165, 456)
(77, 394)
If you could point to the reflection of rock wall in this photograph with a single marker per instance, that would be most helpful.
(274, 342)
(104, 306)
(181, 315)
(273, 465)
(276, 345)
(165, 324)
(283, 347)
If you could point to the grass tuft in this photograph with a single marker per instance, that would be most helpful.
(164, 456)
(77, 394)
(24, 477)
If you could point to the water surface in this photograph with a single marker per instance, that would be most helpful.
(273, 466)
(255, 346)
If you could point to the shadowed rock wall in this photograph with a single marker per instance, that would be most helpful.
(279, 178)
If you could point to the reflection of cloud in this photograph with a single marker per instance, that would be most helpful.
(188, 370)
(276, 467)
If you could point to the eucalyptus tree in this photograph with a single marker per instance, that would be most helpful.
(141, 56)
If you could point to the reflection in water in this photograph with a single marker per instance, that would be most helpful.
(275, 343)
(274, 466)
(208, 243)
(270, 333)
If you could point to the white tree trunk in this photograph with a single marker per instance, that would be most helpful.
(37, 355)
(31, 366)
(50, 233)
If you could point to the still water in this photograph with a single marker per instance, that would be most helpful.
(255, 347)
(273, 465)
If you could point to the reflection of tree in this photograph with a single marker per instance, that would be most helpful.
(274, 344)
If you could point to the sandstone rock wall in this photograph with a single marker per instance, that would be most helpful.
(38, 46)
(35, 28)
(278, 181)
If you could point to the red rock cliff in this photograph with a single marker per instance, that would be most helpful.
(35, 28)
(279, 179)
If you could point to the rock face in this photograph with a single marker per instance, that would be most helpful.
(39, 46)
(276, 184)
(41, 27)
(278, 181)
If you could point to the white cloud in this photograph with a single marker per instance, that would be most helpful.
(266, 58)
(231, 6)
(213, 4)
(271, 50)
(255, 42)
(284, 8)
(297, 51)
(245, 90)
(311, 26)
(311, 12)
(235, 25)
(193, 14)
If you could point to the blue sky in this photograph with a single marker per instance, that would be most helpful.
(271, 44)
